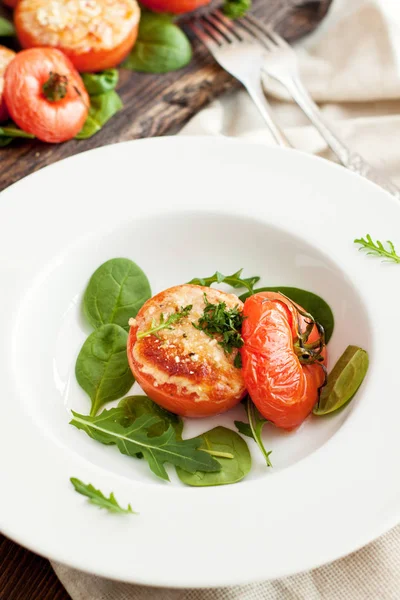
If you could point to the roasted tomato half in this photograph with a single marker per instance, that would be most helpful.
(6, 56)
(180, 367)
(283, 358)
(174, 6)
(94, 34)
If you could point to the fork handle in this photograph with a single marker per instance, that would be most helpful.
(351, 160)
(257, 94)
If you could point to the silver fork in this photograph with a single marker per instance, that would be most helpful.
(241, 54)
(281, 64)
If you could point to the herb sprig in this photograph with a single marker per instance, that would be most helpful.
(218, 320)
(98, 498)
(254, 428)
(378, 249)
(165, 323)
(235, 280)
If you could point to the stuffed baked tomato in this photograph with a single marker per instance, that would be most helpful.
(179, 366)
(94, 34)
(284, 358)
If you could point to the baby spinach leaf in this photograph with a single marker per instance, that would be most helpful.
(235, 280)
(224, 441)
(100, 83)
(102, 108)
(156, 450)
(313, 304)
(116, 291)
(234, 9)
(136, 406)
(10, 133)
(7, 29)
(102, 368)
(98, 498)
(161, 46)
(343, 381)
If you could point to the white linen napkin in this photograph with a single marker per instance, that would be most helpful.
(351, 65)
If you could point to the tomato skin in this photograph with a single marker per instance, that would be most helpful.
(23, 92)
(86, 57)
(6, 56)
(283, 389)
(174, 6)
(11, 3)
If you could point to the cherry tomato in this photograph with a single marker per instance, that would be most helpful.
(94, 34)
(283, 389)
(174, 6)
(10, 3)
(182, 369)
(45, 94)
(6, 56)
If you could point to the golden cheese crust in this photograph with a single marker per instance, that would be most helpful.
(183, 362)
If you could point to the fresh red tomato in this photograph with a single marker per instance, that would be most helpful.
(45, 94)
(174, 6)
(6, 56)
(181, 368)
(94, 35)
(282, 387)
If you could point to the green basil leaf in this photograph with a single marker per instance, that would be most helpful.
(102, 368)
(7, 29)
(115, 293)
(100, 83)
(134, 439)
(313, 304)
(98, 498)
(343, 381)
(234, 9)
(102, 108)
(10, 133)
(161, 46)
(136, 406)
(225, 441)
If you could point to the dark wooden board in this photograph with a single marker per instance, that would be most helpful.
(157, 104)
(154, 105)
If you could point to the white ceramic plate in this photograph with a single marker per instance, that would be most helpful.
(181, 208)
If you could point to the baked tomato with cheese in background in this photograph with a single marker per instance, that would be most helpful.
(45, 94)
(174, 6)
(6, 56)
(180, 367)
(283, 358)
(94, 34)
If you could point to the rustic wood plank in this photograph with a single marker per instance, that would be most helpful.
(156, 104)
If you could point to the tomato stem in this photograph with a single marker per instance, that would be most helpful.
(56, 87)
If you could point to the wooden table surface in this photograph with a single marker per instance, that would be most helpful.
(153, 105)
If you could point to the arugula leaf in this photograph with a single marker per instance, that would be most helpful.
(157, 450)
(97, 497)
(220, 441)
(254, 427)
(7, 29)
(115, 292)
(218, 320)
(100, 83)
(165, 324)
(378, 249)
(102, 108)
(235, 280)
(161, 46)
(234, 9)
(311, 303)
(102, 368)
(10, 133)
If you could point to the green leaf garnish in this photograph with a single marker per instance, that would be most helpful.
(234, 9)
(102, 108)
(7, 29)
(254, 428)
(165, 323)
(98, 498)
(100, 83)
(235, 280)
(219, 321)
(10, 132)
(343, 381)
(378, 249)
(102, 368)
(232, 454)
(156, 450)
